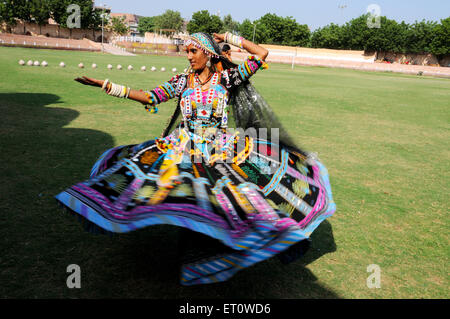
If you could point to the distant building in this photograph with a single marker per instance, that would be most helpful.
(131, 21)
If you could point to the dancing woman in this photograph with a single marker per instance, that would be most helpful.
(257, 193)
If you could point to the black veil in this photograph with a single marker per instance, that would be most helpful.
(249, 109)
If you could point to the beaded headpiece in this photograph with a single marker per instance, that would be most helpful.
(201, 41)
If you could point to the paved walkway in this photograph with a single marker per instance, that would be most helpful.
(111, 49)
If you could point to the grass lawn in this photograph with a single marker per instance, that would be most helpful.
(384, 138)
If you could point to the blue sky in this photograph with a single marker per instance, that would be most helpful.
(313, 13)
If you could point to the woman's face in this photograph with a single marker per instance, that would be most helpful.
(197, 58)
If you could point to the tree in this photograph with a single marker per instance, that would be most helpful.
(25, 10)
(419, 36)
(330, 36)
(11, 10)
(118, 25)
(272, 29)
(440, 45)
(39, 12)
(246, 29)
(169, 20)
(357, 32)
(95, 18)
(90, 18)
(390, 36)
(58, 10)
(202, 21)
(147, 24)
(8, 13)
(229, 24)
(295, 34)
(357, 35)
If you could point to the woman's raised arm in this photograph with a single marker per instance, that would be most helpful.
(251, 47)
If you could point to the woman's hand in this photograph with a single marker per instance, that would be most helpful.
(88, 81)
(219, 38)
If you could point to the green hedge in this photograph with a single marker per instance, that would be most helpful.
(391, 36)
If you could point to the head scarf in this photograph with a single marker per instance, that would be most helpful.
(204, 42)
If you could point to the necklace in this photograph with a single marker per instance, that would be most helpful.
(206, 81)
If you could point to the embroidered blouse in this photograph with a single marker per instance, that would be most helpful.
(204, 107)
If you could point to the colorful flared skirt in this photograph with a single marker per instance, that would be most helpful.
(256, 198)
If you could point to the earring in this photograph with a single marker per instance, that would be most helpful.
(208, 64)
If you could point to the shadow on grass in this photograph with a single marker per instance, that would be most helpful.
(153, 265)
(39, 159)
(42, 158)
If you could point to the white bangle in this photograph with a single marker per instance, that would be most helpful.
(117, 90)
(234, 39)
(111, 89)
(105, 84)
(123, 91)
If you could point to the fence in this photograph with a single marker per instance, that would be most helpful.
(130, 39)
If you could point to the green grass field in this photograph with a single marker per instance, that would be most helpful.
(384, 138)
